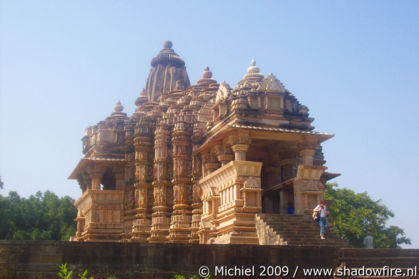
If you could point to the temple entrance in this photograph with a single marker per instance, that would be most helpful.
(278, 172)
(278, 199)
(271, 202)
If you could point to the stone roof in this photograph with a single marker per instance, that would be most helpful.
(84, 161)
(274, 129)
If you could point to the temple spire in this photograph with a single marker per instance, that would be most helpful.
(167, 72)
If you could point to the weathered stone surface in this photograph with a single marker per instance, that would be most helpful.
(196, 163)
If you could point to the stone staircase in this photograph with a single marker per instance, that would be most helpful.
(285, 229)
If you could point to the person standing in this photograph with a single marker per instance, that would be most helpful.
(323, 221)
(369, 241)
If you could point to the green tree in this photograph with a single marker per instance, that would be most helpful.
(41, 216)
(356, 214)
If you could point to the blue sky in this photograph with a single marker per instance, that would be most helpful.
(63, 65)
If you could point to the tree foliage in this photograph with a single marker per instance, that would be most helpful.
(356, 214)
(41, 216)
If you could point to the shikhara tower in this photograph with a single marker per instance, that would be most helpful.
(203, 163)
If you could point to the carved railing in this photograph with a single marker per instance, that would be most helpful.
(100, 206)
(231, 196)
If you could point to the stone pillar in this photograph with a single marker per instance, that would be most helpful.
(307, 184)
(283, 202)
(161, 211)
(129, 152)
(129, 180)
(119, 179)
(143, 165)
(210, 163)
(180, 226)
(223, 153)
(96, 176)
(307, 156)
(204, 160)
(239, 142)
(225, 158)
(80, 225)
(196, 194)
(240, 151)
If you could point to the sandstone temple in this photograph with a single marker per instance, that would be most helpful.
(204, 163)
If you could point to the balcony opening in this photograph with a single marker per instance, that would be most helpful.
(108, 180)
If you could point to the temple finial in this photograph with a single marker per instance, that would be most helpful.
(167, 44)
(253, 69)
(207, 73)
(118, 107)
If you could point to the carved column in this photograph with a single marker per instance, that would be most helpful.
(223, 153)
(196, 192)
(161, 211)
(84, 181)
(119, 179)
(204, 160)
(129, 152)
(210, 163)
(240, 151)
(180, 226)
(129, 179)
(143, 165)
(239, 142)
(272, 177)
(307, 185)
(80, 225)
(96, 173)
(307, 156)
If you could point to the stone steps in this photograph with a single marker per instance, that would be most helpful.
(300, 230)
